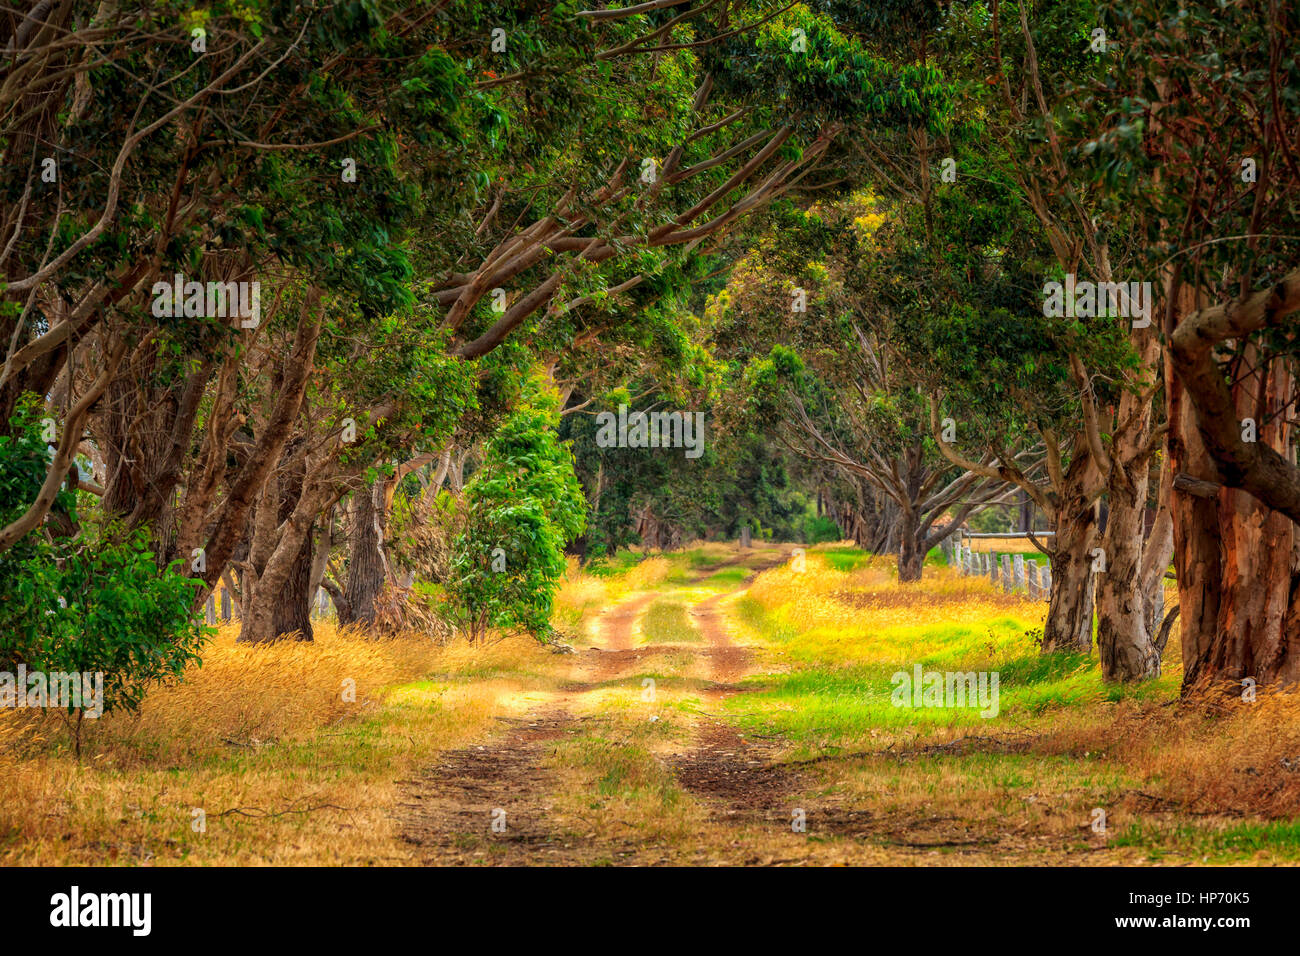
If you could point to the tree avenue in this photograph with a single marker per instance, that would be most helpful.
(402, 303)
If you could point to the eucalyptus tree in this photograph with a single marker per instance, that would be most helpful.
(836, 387)
(1025, 66)
(1195, 135)
(611, 174)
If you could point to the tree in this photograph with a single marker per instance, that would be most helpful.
(1195, 139)
(523, 505)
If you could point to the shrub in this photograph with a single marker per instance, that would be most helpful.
(91, 600)
(522, 506)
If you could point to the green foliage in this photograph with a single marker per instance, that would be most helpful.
(524, 505)
(802, 62)
(90, 603)
(819, 528)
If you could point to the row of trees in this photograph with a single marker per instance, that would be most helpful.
(419, 245)
(917, 352)
(290, 282)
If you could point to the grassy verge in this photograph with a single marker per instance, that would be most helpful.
(1176, 781)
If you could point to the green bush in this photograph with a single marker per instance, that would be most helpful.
(92, 601)
(819, 528)
(523, 505)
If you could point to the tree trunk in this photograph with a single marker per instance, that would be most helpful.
(911, 551)
(1124, 644)
(367, 568)
(1069, 610)
(277, 601)
(321, 555)
(1245, 577)
(1159, 551)
(1198, 563)
(291, 609)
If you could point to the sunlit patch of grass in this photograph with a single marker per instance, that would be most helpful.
(580, 594)
(1216, 842)
(666, 622)
(727, 579)
(620, 563)
(846, 701)
(843, 558)
(1061, 744)
(646, 574)
(844, 641)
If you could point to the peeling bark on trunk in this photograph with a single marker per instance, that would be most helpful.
(1198, 562)
(1124, 644)
(1068, 626)
(1073, 513)
(1159, 551)
(1242, 566)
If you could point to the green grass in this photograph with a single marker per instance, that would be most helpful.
(620, 563)
(1278, 837)
(698, 558)
(828, 695)
(728, 579)
(844, 558)
(666, 622)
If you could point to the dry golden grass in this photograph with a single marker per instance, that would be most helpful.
(1208, 779)
(262, 741)
(288, 771)
(647, 574)
(579, 595)
(856, 607)
(250, 696)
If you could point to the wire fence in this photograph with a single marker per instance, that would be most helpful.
(1012, 570)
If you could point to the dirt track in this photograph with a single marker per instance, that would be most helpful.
(448, 811)
(743, 795)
